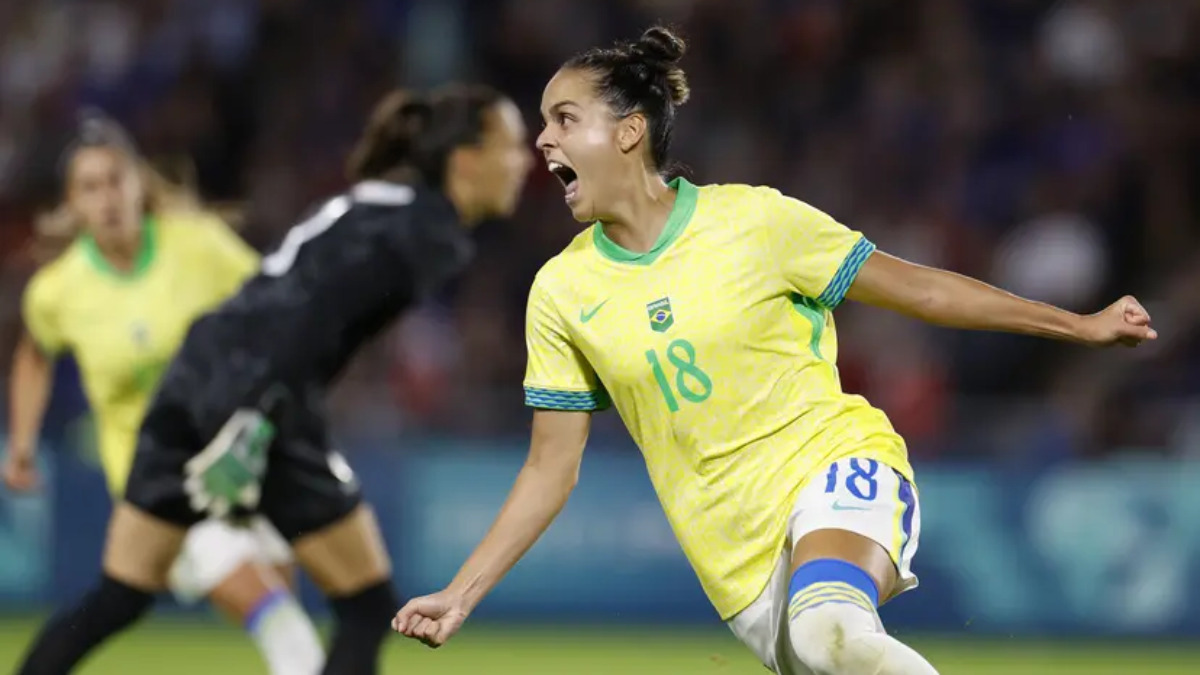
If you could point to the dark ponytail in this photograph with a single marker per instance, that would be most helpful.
(645, 77)
(416, 133)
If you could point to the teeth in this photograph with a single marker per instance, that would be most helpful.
(554, 166)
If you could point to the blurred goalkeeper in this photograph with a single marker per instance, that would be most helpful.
(238, 423)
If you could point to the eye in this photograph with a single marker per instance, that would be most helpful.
(564, 118)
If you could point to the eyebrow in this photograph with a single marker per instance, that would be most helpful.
(559, 105)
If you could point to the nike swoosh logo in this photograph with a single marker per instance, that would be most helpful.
(586, 316)
(838, 506)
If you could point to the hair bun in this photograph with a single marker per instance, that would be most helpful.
(659, 46)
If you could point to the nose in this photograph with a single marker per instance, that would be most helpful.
(110, 197)
(545, 140)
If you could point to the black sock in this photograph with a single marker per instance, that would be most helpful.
(71, 633)
(363, 620)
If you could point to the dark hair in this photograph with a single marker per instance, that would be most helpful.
(645, 77)
(94, 129)
(410, 131)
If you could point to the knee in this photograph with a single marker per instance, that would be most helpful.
(831, 614)
(830, 640)
(347, 556)
(122, 602)
(212, 551)
(372, 608)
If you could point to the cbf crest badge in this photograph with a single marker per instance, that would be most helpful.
(140, 333)
(661, 317)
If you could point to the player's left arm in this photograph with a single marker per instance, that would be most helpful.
(955, 301)
(823, 259)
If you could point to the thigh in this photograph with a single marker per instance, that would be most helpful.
(861, 511)
(167, 440)
(758, 626)
(141, 548)
(346, 556)
(307, 486)
(312, 498)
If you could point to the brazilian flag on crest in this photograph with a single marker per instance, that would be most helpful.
(660, 315)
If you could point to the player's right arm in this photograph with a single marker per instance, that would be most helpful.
(31, 382)
(564, 391)
(538, 495)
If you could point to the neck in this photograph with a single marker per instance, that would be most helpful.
(121, 252)
(636, 221)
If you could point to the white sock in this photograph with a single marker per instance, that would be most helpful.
(834, 630)
(285, 636)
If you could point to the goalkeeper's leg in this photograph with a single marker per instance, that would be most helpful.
(137, 557)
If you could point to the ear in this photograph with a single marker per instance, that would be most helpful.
(631, 129)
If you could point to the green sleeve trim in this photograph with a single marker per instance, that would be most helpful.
(835, 292)
(557, 399)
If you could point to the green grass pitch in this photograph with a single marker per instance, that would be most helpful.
(186, 647)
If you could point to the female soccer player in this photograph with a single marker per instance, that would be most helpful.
(120, 298)
(249, 382)
(704, 314)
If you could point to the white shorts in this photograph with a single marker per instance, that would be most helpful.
(862, 496)
(214, 548)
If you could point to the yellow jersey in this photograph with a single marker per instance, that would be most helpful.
(718, 349)
(124, 328)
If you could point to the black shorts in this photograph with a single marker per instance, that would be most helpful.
(307, 485)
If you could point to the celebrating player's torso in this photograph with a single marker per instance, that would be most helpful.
(124, 328)
(718, 349)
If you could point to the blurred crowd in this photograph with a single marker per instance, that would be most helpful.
(1052, 148)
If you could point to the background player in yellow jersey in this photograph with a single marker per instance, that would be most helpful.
(120, 298)
(705, 315)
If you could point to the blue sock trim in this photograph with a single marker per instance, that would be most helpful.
(264, 606)
(831, 570)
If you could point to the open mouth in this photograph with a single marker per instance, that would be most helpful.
(567, 176)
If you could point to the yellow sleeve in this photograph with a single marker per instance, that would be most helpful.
(557, 376)
(40, 313)
(230, 259)
(818, 256)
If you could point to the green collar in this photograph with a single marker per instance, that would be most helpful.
(141, 263)
(681, 213)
